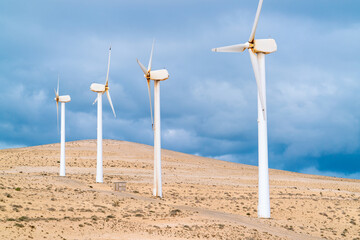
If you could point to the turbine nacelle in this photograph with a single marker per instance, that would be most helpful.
(159, 75)
(97, 87)
(265, 46)
(63, 99)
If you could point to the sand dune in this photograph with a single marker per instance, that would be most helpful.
(203, 198)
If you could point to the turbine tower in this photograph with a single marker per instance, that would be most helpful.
(156, 76)
(100, 89)
(258, 49)
(62, 99)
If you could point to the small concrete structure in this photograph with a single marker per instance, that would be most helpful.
(120, 186)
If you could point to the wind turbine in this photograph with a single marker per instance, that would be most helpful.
(62, 99)
(100, 89)
(258, 49)
(156, 76)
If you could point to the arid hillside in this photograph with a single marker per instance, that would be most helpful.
(203, 198)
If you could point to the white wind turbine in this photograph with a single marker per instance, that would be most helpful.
(100, 89)
(156, 76)
(258, 49)
(62, 99)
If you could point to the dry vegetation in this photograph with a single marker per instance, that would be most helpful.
(203, 198)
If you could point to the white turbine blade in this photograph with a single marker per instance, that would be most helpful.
(108, 68)
(255, 65)
(149, 90)
(95, 100)
(57, 92)
(151, 55)
(57, 116)
(252, 35)
(109, 98)
(142, 67)
(57, 109)
(232, 48)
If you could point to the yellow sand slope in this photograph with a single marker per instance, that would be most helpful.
(203, 198)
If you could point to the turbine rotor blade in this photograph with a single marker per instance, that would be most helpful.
(255, 65)
(252, 35)
(232, 48)
(57, 92)
(57, 104)
(149, 90)
(109, 98)
(57, 116)
(95, 100)
(142, 67)
(108, 68)
(151, 55)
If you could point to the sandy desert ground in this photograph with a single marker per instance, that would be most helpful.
(203, 198)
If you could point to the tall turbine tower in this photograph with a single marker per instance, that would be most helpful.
(156, 76)
(258, 49)
(62, 99)
(100, 89)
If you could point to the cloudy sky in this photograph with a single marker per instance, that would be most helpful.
(209, 103)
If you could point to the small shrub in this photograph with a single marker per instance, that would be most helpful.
(24, 218)
(116, 203)
(187, 228)
(175, 212)
(291, 228)
(19, 225)
(344, 232)
(17, 189)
